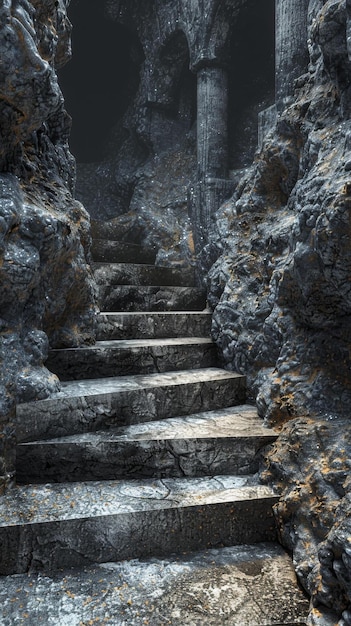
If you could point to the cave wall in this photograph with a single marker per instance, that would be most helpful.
(47, 290)
(280, 290)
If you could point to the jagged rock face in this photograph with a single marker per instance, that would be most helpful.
(280, 291)
(47, 291)
(310, 465)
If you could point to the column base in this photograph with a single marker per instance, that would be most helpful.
(204, 199)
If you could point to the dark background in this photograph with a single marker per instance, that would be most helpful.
(95, 82)
(102, 77)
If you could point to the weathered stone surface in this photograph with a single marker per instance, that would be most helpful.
(47, 292)
(208, 444)
(105, 403)
(138, 274)
(68, 525)
(279, 290)
(246, 585)
(159, 298)
(291, 55)
(310, 464)
(133, 356)
(153, 324)
(106, 251)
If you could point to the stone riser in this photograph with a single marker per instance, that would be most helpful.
(250, 582)
(157, 325)
(134, 274)
(104, 458)
(139, 399)
(122, 359)
(138, 534)
(134, 298)
(105, 251)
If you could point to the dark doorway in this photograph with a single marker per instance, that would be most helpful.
(99, 82)
(252, 77)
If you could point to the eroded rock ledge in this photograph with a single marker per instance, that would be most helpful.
(47, 291)
(310, 465)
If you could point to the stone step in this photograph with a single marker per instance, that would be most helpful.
(107, 251)
(157, 324)
(46, 527)
(87, 405)
(207, 444)
(132, 356)
(249, 585)
(136, 274)
(150, 298)
(110, 229)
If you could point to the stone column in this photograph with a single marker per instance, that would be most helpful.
(212, 122)
(213, 186)
(291, 46)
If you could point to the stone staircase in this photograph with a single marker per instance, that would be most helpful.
(137, 501)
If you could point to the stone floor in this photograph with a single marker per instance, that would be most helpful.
(238, 586)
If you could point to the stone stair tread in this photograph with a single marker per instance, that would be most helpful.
(110, 250)
(136, 274)
(92, 387)
(54, 526)
(232, 422)
(97, 404)
(113, 357)
(248, 585)
(138, 343)
(38, 504)
(151, 298)
(153, 324)
(206, 312)
(218, 442)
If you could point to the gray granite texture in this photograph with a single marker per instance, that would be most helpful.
(152, 298)
(310, 465)
(153, 324)
(240, 586)
(113, 250)
(105, 403)
(132, 356)
(226, 441)
(142, 274)
(279, 290)
(48, 527)
(47, 289)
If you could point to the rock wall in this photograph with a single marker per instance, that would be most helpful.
(47, 291)
(280, 290)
